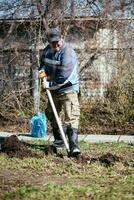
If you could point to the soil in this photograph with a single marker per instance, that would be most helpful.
(12, 147)
(15, 148)
(11, 122)
(107, 159)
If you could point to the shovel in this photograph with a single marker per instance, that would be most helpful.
(45, 84)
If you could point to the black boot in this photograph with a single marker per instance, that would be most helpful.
(58, 141)
(73, 141)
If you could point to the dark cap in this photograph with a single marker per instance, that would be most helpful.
(53, 35)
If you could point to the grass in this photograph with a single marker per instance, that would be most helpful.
(52, 177)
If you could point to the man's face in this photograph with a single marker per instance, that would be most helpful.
(56, 45)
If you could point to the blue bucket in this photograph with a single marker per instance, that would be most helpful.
(38, 125)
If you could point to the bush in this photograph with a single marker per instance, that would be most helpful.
(115, 112)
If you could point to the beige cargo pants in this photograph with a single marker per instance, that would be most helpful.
(67, 105)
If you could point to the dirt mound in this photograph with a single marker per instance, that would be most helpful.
(13, 147)
(107, 159)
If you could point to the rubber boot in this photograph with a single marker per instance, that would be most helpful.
(58, 141)
(56, 134)
(73, 141)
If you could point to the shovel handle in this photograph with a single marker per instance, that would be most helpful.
(56, 115)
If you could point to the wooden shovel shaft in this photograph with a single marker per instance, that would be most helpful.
(56, 117)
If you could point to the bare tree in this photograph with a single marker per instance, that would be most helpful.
(101, 32)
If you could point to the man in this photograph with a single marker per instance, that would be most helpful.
(59, 62)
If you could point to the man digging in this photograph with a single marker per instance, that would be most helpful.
(59, 66)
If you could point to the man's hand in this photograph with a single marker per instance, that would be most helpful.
(45, 83)
(42, 74)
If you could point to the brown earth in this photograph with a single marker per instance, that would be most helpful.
(10, 178)
(15, 148)
(11, 122)
(14, 123)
